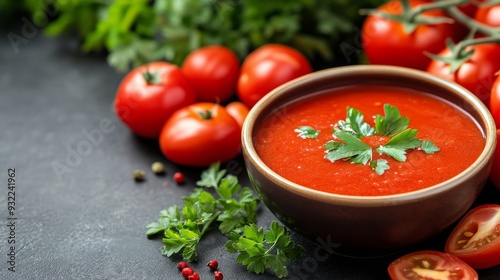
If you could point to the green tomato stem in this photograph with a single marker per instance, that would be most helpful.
(438, 5)
(205, 114)
(152, 78)
(471, 23)
(209, 222)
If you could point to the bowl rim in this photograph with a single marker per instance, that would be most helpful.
(369, 201)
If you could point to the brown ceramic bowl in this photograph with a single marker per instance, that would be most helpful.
(365, 224)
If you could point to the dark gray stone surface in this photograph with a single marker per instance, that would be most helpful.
(79, 213)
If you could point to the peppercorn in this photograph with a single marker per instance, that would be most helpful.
(186, 272)
(179, 178)
(139, 175)
(218, 275)
(182, 265)
(213, 264)
(158, 168)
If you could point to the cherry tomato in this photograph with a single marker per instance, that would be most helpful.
(213, 72)
(476, 239)
(477, 74)
(199, 135)
(238, 111)
(489, 15)
(149, 95)
(386, 42)
(267, 68)
(494, 174)
(495, 100)
(430, 265)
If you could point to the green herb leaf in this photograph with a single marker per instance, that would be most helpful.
(260, 249)
(397, 146)
(379, 166)
(392, 123)
(211, 177)
(352, 149)
(354, 124)
(307, 132)
(429, 147)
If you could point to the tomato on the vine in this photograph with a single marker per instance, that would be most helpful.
(200, 134)
(430, 265)
(267, 68)
(213, 72)
(238, 111)
(476, 74)
(489, 15)
(387, 42)
(476, 239)
(149, 95)
(494, 174)
(495, 100)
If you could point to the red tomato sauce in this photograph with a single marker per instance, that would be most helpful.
(302, 160)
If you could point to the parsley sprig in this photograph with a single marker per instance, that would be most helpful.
(259, 250)
(232, 209)
(347, 143)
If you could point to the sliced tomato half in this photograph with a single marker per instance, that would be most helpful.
(476, 239)
(430, 265)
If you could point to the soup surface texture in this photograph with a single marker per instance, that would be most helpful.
(303, 161)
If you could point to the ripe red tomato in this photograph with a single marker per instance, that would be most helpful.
(267, 68)
(476, 239)
(386, 42)
(489, 15)
(477, 74)
(213, 72)
(199, 135)
(494, 174)
(430, 265)
(495, 101)
(238, 111)
(149, 95)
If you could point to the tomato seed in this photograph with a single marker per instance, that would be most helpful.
(468, 234)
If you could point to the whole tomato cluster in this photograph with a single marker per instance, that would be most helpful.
(432, 37)
(436, 41)
(189, 109)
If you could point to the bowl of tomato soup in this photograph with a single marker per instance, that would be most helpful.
(368, 158)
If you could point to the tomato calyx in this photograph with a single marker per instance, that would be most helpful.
(151, 78)
(411, 18)
(462, 52)
(205, 114)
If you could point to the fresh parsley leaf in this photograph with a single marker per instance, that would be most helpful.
(379, 166)
(392, 123)
(228, 187)
(354, 124)
(260, 249)
(307, 132)
(332, 145)
(184, 241)
(168, 217)
(429, 147)
(211, 177)
(397, 146)
(229, 208)
(352, 149)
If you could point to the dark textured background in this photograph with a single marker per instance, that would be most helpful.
(89, 223)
